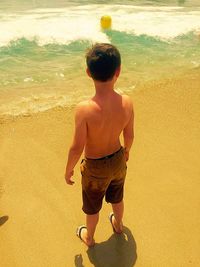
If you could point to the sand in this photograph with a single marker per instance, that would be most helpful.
(39, 213)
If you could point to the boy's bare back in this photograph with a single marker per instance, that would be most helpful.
(105, 118)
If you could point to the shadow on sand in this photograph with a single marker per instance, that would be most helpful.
(117, 251)
(3, 219)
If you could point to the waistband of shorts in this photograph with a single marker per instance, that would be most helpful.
(106, 157)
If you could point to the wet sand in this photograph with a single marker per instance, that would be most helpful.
(39, 213)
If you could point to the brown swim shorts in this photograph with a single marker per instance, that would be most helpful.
(103, 177)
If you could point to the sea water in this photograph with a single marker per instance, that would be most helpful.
(43, 45)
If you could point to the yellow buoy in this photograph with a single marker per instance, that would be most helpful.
(106, 22)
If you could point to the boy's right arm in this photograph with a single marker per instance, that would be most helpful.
(128, 132)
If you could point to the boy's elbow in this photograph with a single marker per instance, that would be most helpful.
(133, 135)
(77, 148)
(131, 138)
(128, 136)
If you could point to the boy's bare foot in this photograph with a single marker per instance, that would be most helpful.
(81, 232)
(116, 228)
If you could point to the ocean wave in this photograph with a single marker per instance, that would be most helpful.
(66, 25)
(26, 47)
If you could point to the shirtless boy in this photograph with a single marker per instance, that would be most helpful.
(99, 122)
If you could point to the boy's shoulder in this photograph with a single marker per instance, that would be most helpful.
(82, 107)
(126, 97)
(127, 100)
(83, 104)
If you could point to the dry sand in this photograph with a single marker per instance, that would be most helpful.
(39, 213)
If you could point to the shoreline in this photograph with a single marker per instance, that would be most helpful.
(136, 88)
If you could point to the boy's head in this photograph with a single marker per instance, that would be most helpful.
(103, 60)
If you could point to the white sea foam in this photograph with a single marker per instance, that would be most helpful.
(36, 103)
(28, 79)
(65, 25)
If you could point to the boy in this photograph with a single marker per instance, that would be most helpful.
(99, 122)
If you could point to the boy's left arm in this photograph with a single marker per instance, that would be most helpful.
(78, 143)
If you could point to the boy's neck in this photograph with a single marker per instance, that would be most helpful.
(104, 88)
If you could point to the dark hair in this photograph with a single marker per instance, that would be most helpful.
(102, 61)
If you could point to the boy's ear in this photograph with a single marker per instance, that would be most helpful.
(88, 72)
(117, 73)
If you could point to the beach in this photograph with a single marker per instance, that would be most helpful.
(39, 212)
(43, 77)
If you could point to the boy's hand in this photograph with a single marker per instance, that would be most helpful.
(68, 177)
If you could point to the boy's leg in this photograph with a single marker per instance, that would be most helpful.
(87, 234)
(118, 210)
(91, 223)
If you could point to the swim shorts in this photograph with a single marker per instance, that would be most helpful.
(103, 177)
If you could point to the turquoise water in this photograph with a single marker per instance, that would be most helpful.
(43, 43)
